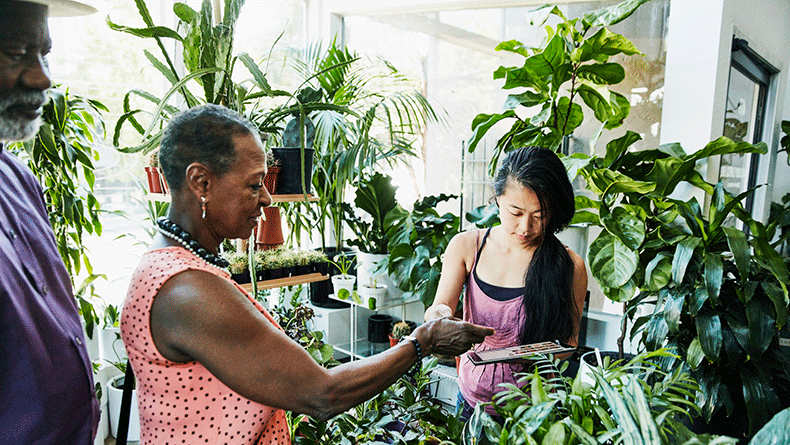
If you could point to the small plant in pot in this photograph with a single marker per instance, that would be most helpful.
(239, 266)
(399, 330)
(373, 290)
(343, 282)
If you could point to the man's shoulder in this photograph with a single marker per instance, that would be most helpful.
(16, 176)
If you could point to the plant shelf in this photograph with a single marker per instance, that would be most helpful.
(287, 281)
(161, 197)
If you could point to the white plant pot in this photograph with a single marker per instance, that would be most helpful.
(343, 282)
(378, 294)
(114, 397)
(366, 265)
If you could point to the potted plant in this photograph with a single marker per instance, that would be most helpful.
(343, 282)
(375, 196)
(547, 407)
(239, 266)
(373, 291)
(399, 330)
(115, 387)
(417, 241)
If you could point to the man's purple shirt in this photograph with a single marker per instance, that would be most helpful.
(46, 382)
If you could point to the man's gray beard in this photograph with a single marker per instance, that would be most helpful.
(18, 128)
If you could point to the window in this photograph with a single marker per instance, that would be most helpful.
(744, 119)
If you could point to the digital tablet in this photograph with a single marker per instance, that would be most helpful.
(519, 352)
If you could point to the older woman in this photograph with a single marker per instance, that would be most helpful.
(212, 365)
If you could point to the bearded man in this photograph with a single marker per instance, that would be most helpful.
(46, 382)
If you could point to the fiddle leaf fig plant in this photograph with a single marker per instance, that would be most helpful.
(720, 295)
(568, 65)
(375, 195)
(417, 241)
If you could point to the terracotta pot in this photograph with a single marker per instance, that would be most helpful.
(270, 232)
(393, 341)
(154, 181)
(270, 180)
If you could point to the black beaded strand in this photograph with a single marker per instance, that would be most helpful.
(174, 231)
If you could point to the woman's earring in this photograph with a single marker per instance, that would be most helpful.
(203, 206)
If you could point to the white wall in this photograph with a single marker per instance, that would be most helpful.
(698, 60)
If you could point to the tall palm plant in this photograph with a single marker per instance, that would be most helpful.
(384, 117)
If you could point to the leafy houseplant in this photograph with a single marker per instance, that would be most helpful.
(617, 408)
(61, 157)
(375, 195)
(378, 115)
(568, 65)
(403, 414)
(295, 318)
(723, 309)
(417, 240)
(343, 282)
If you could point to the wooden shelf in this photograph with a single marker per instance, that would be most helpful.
(160, 197)
(287, 281)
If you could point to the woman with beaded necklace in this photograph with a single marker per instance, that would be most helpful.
(211, 364)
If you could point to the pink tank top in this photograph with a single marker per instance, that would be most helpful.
(183, 402)
(480, 383)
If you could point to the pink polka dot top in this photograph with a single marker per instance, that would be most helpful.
(183, 403)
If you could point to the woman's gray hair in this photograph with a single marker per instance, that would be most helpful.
(201, 134)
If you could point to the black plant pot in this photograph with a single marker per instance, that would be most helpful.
(275, 273)
(289, 271)
(289, 182)
(302, 269)
(241, 278)
(379, 326)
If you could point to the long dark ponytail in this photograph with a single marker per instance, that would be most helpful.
(549, 307)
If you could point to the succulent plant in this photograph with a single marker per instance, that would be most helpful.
(400, 329)
(237, 260)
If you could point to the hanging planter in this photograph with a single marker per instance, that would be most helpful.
(270, 231)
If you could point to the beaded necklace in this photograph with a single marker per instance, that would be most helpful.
(175, 232)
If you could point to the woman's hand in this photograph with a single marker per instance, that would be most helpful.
(450, 336)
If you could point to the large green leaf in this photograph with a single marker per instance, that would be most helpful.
(612, 15)
(672, 311)
(739, 247)
(628, 224)
(683, 253)
(545, 63)
(482, 123)
(513, 46)
(761, 400)
(567, 115)
(621, 108)
(656, 332)
(612, 263)
(714, 272)
(150, 32)
(593, 99)
(658, 272)
(617, 148)
(601, 45)
(695, 354)
(762, 325)
(709, 333)
(775, 432)
(602, 73)
(525, 99)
